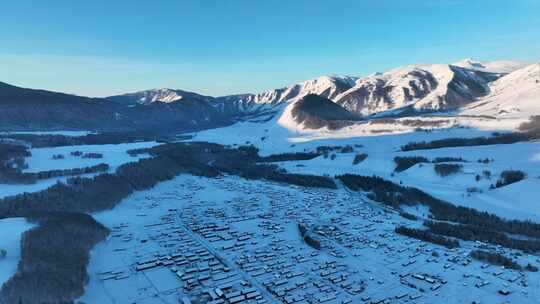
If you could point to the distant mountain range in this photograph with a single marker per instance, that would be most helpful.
(493, 88)
(28, 109)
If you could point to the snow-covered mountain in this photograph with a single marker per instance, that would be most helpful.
(500, 66)
(314, 112)
(475, 88)
(419, 88)
(326, 86)
(408, 89)
(30, 109)
(516, 95)
(164, 95)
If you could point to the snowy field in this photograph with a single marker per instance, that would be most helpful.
(279, 136)
(42, 160)
(11, 231)
(113, 155)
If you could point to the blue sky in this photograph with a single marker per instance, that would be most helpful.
(219, 47)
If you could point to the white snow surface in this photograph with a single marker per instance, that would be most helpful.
(514, 96)
(499, 66)
(11, 231)
(327, 86)
(41, 160)
(113, 155)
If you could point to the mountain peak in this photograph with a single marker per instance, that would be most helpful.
(500, 66)
(165, 95)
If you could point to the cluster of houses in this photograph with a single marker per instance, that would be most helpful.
(247, 248)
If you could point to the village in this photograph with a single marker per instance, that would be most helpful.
(227, 241)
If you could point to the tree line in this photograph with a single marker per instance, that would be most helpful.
(508, 138)
(427, 236)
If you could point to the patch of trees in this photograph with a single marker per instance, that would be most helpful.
(424, 123)
(485, 160)
(103, 167)
(427, 236)
(92, 155)
(328, 149)
(509, 177)
(76, 153)
(12, 160)
(508, 138)
(55, 140)
(58, 156)
(405, 162)
(10, 151)
(532, 127)
(54, 259)
(18, 177)
(288, 157)
(3, 254)
(443, 169)
(419, 123)
(531, 268)
(494, 258)
(448, 159)
(384, 191)
(309, 240)
(347, 149)
(408, 216)
(358, 158)
(482, 233)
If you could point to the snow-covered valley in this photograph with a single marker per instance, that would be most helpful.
(227, 237)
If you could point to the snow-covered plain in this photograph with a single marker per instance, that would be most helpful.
(11, 231)
(42, 160)
(113, 155)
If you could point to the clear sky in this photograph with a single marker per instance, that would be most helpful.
(105, 47)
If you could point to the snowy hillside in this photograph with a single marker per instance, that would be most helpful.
(500, 66)
(325, 86)
(162, 95)
(417, 87)
(516, 95)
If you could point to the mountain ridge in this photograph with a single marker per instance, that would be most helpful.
(404, 91)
